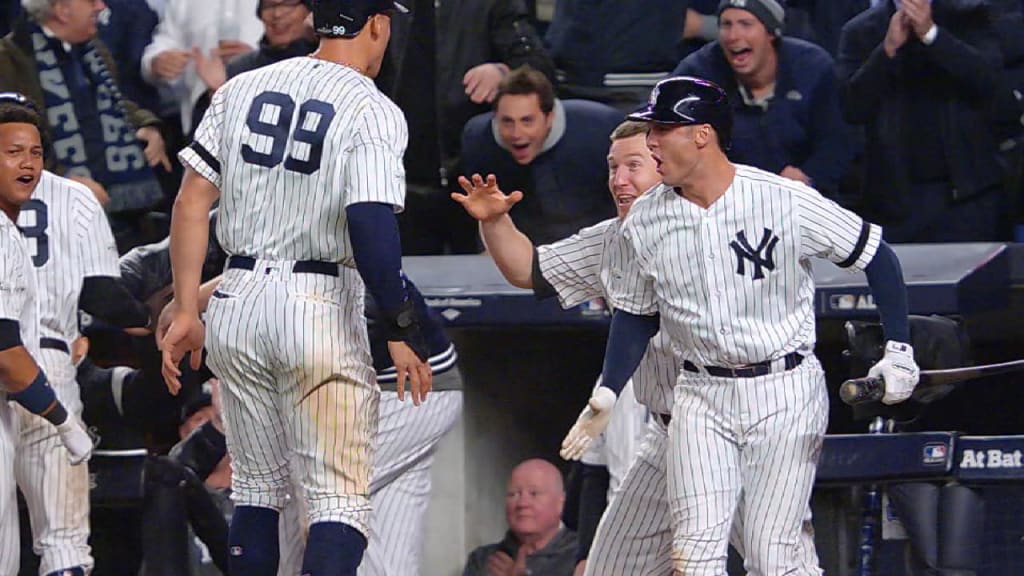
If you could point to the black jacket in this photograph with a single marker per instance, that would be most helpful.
(467, 33)
(961, 68)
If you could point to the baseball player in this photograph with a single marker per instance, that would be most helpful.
(407, 439)
(720, 253)
(21, 379)
(634, 535)
(75, 258)
(305, 157)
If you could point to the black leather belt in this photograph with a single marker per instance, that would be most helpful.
(54, 344)
(300, 267)
(791, 360)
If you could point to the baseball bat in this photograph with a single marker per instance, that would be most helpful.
(871, 389)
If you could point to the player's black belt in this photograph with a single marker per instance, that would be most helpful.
(54, 344)
(666, 419)
(300, 267)
(791, 360)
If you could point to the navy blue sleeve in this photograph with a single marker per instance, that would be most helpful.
(885, 277)
(377, 249)
(627, 341)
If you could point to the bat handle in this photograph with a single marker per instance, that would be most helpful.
(862, 390)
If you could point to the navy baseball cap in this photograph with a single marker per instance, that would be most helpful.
(687, 100)
(345, 18)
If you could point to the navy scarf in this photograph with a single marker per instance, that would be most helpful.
(78, 86)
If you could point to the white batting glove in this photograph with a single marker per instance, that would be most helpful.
(76, 440)
(590, 424)
(899, 371)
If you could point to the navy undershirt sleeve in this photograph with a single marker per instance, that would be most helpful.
(377, 248)
(627, 341)
(885, 277)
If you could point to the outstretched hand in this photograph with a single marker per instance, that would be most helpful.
(483, 199)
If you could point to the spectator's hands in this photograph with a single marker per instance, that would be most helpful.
(228, 49)
(409, 366)
(899, 371)
(589, 425)
(95, 187)
(919, 16)
(482, 81)
(483, 200)
(898, 33)
(169, 64)
(500, 564)
(794, 173)
(210, 68)
(185, 334)
(155, 151)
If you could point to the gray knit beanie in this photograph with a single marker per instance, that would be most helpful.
(771, 13)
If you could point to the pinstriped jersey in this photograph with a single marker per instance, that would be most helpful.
(733, 282)
(580, 268)
(18, 285)
(292, 144)
(69, 239)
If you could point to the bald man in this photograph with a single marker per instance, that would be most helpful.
(536, 542)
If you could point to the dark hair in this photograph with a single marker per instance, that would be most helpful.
(13, 112)
(525, 80)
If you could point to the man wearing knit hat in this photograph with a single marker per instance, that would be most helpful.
(783, 92)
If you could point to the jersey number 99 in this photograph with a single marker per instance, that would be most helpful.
(318, 111)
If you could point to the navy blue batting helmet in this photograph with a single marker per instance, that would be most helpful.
(345, 18)
(687, 100)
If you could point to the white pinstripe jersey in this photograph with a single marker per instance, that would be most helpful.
(18, 285)
(733, 282)
(579, 268)
(69, 239)
(292, 144)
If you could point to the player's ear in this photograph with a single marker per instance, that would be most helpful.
(380, 24)
(702, 135)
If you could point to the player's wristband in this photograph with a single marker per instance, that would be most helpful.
(402, 325)
(38, 398)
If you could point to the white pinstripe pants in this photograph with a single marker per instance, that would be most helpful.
(635, 533)
(56, 492)
(400, 491)
(293, 358)
(746, 448)
(10, 551)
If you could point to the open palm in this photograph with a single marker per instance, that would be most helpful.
(483, 199)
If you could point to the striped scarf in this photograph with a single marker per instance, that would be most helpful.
(122, 169)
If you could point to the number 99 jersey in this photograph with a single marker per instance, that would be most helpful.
(292, 144)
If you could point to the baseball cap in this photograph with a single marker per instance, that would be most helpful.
(686, 100)
(771, 13)
(345, 18)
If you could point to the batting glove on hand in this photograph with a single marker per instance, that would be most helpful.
(76, 440)
(899, 371)
(590, 424)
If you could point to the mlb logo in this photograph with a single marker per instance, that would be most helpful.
(935, 454)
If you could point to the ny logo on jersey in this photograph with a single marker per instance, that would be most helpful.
(760, 257)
